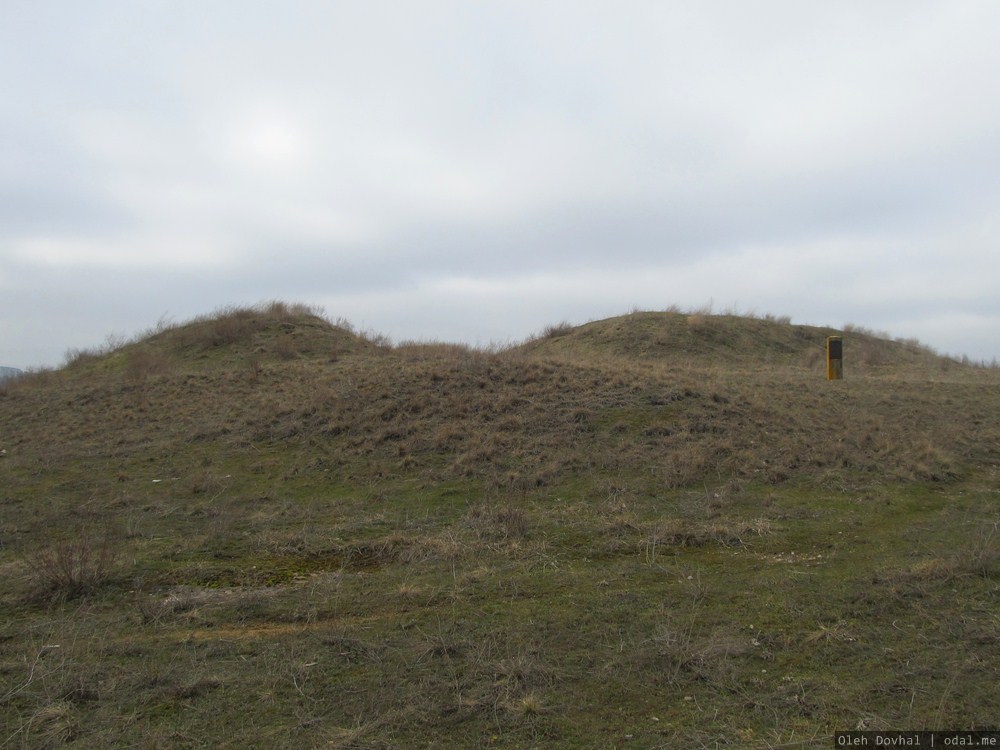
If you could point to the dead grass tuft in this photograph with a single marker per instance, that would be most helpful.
(676, 532)
(53, 725)
(979, 556)
(982, 553)
(557, 330)
(72, 568)
(497, 522)
(144, 362)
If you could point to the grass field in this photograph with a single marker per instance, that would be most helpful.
(261, 529)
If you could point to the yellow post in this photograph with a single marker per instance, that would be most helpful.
(834, 358)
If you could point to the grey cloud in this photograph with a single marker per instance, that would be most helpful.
(369, 152)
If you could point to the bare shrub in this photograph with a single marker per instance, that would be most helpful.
(378, 340)
(290, 310)
(557, 330)
(73, 567)
(76, 358)
(344, 324)
(232, 327)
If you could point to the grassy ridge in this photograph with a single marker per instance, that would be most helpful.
(263, 529)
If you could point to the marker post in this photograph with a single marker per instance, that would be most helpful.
(834, 358)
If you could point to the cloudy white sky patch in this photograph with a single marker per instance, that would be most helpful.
(475, 171)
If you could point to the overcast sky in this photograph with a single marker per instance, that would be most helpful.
(474, 170)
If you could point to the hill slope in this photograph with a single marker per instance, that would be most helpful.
(637, 532)
(449, 412)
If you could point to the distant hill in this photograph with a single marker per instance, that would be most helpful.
(9, 372)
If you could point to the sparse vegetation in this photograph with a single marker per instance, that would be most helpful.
(555, 331)
(263, 529)
(71, 568)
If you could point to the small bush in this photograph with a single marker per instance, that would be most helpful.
(290, 311)
(76, 358)
(72, 568)
(232, 327)
(555, 331)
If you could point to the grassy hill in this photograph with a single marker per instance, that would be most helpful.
(702, 339)
(262, 529)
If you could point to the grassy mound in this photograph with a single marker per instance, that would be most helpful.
(228, 337)
(703, 339)
(649, 531)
